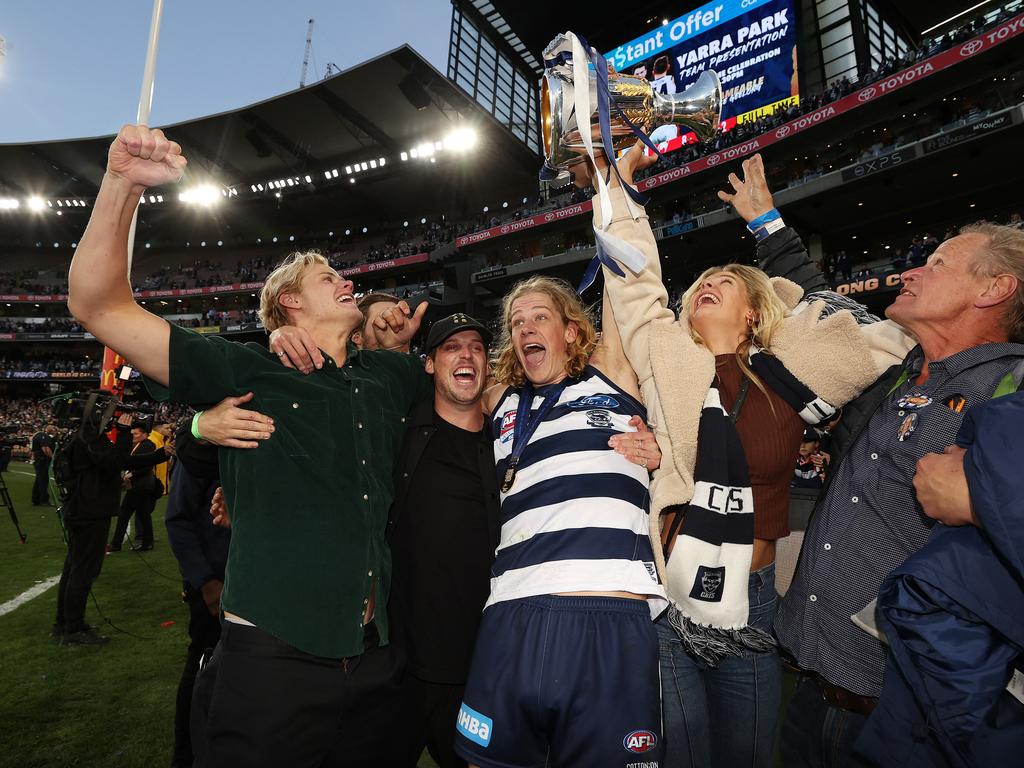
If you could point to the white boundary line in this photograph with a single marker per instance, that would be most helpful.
(28, 594)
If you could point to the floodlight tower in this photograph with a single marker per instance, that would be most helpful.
(309, 49)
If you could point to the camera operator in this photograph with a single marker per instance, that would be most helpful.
(95, 465)
(42, 452)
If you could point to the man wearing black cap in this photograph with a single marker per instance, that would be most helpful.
(443, 529)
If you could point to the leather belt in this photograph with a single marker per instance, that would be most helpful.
(839, 697)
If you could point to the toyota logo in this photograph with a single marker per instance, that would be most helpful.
(783, 132)
(549, 217)
(504, 229)
(971, 48)
(867, 94)
(713, 159)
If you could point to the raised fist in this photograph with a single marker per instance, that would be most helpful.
(145, 157)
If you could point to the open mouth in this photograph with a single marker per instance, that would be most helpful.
(465, 375)
(346, 298)
(906, 292)
(533, 354)
(705, 299)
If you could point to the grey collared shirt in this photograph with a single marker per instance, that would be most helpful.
(870, 521)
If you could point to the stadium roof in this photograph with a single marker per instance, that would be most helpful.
(378, 109)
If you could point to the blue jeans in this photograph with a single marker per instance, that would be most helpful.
(724, 717)
(818, 735)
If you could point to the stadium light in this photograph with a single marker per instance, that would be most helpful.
(9, 204)
(405, 156)
(461, 140)
(383, 160)
(36, 203)
(205, 195)
(423, 220)
(348, 231)
(308, 178)
(373, 163)
(348, 170)
(364, 228)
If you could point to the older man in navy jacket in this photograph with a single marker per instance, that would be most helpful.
(954, 612)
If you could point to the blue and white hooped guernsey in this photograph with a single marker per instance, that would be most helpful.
(576, 518)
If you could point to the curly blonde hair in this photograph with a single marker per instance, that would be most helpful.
(505, 363)
(769, 312)
(286, 278)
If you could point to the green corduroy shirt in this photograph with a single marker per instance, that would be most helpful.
(308, 506)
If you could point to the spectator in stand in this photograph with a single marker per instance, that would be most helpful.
(844, 265)
(899, 260)
(811, 463)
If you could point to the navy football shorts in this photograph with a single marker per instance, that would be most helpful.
(563, 681)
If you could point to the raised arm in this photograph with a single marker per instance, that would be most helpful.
(99, 290)
(639, 299)
(780, 253)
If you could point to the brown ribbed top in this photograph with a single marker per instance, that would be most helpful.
(771, 443)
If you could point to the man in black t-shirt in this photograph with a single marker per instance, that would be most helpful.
(443, 530)
(42, 452)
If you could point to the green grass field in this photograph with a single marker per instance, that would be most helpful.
(101, 707)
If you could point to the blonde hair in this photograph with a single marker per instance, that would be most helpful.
(769, 312)
(505, 363)
(1003, 254)
(286, 278)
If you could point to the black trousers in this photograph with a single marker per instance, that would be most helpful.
(82, 566)
(41, 487)
(138, 502)
(429, 711)
(268, 704)
(203, 633)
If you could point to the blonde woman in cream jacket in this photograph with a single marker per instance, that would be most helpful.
(800, 362)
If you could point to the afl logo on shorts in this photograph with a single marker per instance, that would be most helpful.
(640, 741)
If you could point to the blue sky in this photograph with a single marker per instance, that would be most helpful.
(74, 67)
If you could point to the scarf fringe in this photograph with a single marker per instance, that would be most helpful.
(712, 644)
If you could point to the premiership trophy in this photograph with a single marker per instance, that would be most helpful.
(698, 108)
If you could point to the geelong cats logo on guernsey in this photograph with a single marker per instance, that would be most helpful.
(640, 741)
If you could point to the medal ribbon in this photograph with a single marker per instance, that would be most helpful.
(526, 426)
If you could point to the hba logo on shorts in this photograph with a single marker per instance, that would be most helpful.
(640, 741)
(474, 726)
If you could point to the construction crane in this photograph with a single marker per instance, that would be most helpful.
(309, 50)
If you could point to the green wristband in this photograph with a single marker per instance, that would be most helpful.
(195, 426)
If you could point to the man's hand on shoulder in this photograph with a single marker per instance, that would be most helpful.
(296, 349)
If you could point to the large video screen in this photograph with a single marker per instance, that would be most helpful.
(751, 44)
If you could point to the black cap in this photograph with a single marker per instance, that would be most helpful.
(456, 323)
